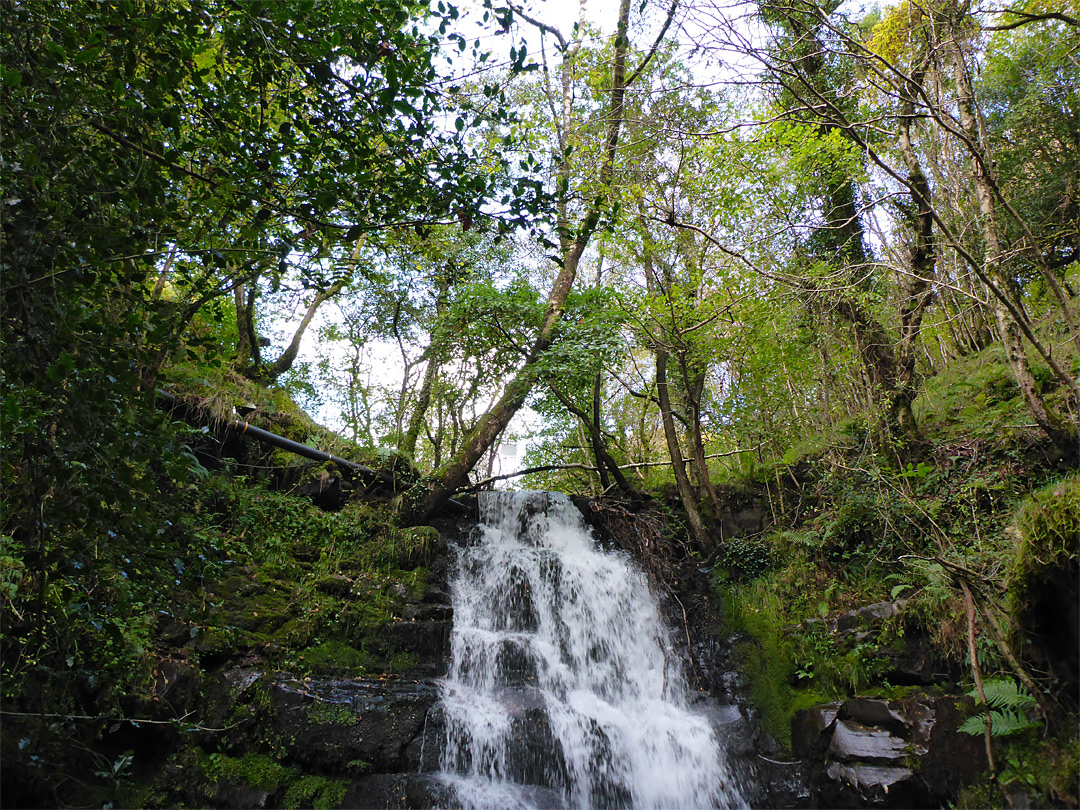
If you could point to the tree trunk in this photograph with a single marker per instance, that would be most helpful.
(678, 467)
(842, 239)
(423, 501)
(604, 462)
(916, 288)
(423, 402)
(494, 421)
(695, 388)
(288, 357)
(1063, 433)
(247, 344)
(599, 452)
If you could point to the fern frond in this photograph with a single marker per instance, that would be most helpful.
(974, 725)
(1005, 694)
(1008, 722)
(1002, 723)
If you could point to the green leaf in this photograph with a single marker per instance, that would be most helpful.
(11, 76)
(1001, 693)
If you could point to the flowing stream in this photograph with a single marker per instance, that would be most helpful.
(564, 689)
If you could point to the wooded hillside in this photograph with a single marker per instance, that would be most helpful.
(824, 255)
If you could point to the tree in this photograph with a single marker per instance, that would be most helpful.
(572, 238)
(1065, 434)
(156, 157)
(814, 39)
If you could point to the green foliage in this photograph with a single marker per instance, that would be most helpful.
(1008, 707)
(1045, 768)
(1002, 723)
(745, 559)
(1005, 694)
(868, 531)
(1047, 526)
(792, 658)
(1029, 84)
(168, 168)
(154, 157)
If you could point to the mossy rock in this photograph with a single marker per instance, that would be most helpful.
(1044, 582)
(1047, 530)
(336, 657)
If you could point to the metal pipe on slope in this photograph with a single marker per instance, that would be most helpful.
(310, 452)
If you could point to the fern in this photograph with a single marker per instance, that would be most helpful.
(1003, 694)
(1009, 704)
(1002, 723)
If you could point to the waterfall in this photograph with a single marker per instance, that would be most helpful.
(564, 689)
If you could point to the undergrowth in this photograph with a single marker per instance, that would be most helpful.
(219, 569)
(978, 504)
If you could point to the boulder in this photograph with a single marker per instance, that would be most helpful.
(383, 723)
(888, 753)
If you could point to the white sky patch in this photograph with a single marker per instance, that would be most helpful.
(385, 365)
(701, 34)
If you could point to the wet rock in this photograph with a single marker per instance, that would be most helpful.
(854, 742)
(327, 493)
(428, 612)
(869, 615)
(174, 633)
(227, 793)
(751, 518)
(1051, 617)
(241, 679)
(914, 664)
(868, 784)
(330, 724)
(429, 641)
(874, 712)
(534, 756)
(515, 664)
(852, 621)
(520, 614)
(176, 684)
(398, 791)
(888, 753)
(811, 728)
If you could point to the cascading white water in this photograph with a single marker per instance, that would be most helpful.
(563, 689)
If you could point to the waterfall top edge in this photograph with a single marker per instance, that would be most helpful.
(520, 496)
(514, 510)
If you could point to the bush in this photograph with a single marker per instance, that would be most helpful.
(745, 559)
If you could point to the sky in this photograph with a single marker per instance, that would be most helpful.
(385, 361)
(384, 358)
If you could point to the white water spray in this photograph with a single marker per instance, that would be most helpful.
(564, 689)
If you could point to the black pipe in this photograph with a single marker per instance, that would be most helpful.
(306, 450)
(310, 452)
(321, 455)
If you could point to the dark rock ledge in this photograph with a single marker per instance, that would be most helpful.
(888, 753)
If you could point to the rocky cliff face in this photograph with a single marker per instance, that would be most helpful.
(356, 725)
(888, 753)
